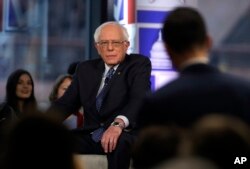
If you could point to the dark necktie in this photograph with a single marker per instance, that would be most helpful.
(103, 92)
(97, 134)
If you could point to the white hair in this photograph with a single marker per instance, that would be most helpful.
(98, 30)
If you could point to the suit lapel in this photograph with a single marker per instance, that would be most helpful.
(96, 78)
(116, 75)
(99, 74)
(107, 91)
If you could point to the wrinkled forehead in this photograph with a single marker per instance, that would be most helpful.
(111, 32)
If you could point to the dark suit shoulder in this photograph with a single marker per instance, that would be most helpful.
(137, 57)
(207, 79)
(236, 81)
(136, 60)
(91, 64)
(199, 68)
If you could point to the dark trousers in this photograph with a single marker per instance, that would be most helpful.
(118, 159)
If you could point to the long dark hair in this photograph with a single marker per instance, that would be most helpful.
(11, 97)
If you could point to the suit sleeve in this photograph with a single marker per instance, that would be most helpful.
(139, 80)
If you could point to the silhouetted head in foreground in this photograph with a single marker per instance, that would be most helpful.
(221, 139)
(39, 142)
(185, 36)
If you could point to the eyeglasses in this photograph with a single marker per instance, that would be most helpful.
(114, 43)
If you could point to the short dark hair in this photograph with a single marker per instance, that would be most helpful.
(183, 29)
(220, 138)
(154, 145)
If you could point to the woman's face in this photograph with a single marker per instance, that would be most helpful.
(24, 87)
(63, 87)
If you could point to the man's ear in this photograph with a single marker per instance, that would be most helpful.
(127, 44)
(168, 49)
(209, 42)
(96, 46)
(173, 56)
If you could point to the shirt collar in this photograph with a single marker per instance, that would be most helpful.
(108, 67)
(193, 61)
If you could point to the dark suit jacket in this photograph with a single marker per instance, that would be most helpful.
(126, 89)
(200, 89)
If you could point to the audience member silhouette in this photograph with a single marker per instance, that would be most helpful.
(155, 145)
(200, 87)
(39, 142)
(19, 101)
(221, 139)
(61, 85)
(187, 163)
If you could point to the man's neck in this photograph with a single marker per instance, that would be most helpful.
(107, 67)
(197, 55)
(194, 60)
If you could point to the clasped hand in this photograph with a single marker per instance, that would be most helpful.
(110, 138)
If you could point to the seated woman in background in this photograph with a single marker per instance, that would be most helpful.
(60, 86)
(20, 99)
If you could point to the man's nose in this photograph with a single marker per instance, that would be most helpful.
(110, 46)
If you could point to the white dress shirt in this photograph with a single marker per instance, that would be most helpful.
(123, 118)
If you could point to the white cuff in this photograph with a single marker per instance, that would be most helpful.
(124, 119)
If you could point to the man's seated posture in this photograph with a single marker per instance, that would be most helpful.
(110, 89)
